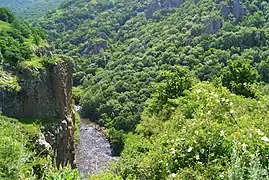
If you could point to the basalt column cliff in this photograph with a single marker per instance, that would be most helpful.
(46, 94)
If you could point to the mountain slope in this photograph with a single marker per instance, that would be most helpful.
(30, 9)
(19, 41)
(120, 50)
(141, 69)
(206, 133)
(32, 80)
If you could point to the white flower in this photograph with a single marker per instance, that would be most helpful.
(260, 132)
(196, 132)
(173, 175)
(265, 139)
(221, 133)
(231, 103)
(173, 151)
(197, 157)
(190, 149)
(244, 147)
(167, 164)
(202, 151)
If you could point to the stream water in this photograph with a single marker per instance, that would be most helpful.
(93, 153)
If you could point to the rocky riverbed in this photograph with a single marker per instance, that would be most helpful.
(93, 153)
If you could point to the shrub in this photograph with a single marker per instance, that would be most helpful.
(197, 140)
(65, 173)
(239, 78)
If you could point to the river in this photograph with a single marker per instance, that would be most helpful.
(93, 152)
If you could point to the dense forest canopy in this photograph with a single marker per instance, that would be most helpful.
(127, 55)
(180, 85)
(122, 46)
(30, 9)
(19, 43)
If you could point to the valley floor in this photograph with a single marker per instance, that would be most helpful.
(93, 153)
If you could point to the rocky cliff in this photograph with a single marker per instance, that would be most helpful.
(46, 95)
(231, 7)
(160, 4)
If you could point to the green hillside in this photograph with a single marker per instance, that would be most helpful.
(24, 153)
(20, 43)
(129, 57)
(4, 26)
(19, 156)
(181, 86)
(121, 52)
(128, 75)
(30, 9)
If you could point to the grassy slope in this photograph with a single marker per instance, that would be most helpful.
(4, 26)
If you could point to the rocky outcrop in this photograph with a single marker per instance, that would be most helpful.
(212, 27)
(45, 51)
(42, 145)
(160, 4)
(46, 95)
(235, 8)
(95, 47)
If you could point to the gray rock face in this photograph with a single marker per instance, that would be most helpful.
(160, 4)
(235, 8)
(238, 9)
(212, 27)
(42, 145)
(95, 47)
(47, 95)
(44, 52)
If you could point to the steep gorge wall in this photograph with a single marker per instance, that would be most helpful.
(46, 95)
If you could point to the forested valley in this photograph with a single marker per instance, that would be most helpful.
(179, 87)
(30, 10)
